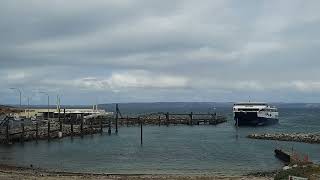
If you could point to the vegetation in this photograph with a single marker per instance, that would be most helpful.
(311, 172)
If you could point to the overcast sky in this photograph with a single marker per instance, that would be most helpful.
(168, 50)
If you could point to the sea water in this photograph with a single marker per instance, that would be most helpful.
(177, 149)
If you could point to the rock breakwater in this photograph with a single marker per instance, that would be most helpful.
(313, 138)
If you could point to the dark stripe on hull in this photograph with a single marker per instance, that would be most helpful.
(251, 119)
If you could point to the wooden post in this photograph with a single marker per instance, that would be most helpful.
(141, 141)
(22, 133)
(64, 115)
(127, 121)
(48, 130)
(37, 131)
(81, 125)
(91, 128)
(117, 116)
(167, 118)
(191, 118)
(71, 121)
(7, 131)
(237, 127)
(60, 122)
(101, 129)
(159, 120)
(109, 130)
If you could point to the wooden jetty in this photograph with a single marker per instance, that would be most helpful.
(173, 119)
(64, 126)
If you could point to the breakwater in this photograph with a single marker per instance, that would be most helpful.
(313, 138)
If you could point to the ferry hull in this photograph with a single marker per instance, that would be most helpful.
(251, 119)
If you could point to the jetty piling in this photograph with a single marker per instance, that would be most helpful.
(7, 133)
(48, 129)
(117, 116)
(109, 130)
(71, 126)
(91, 126)
(191, 118)
(81, 125)
(22, 132)
(101, 127)
(141, 123)
(37, 131)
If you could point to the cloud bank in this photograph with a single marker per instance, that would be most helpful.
(133, 51)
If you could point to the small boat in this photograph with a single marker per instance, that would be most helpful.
(282, 155)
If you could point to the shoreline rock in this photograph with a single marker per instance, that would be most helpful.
(312, 138)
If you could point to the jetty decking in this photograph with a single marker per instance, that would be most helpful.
(12, 131)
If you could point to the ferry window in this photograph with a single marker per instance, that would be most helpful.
(248, 109)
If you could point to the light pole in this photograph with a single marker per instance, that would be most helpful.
(28, 107)
(48, 102)
(19, 93)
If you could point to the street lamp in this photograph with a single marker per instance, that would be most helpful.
(48, 101)
(28, 106)
(19, 93)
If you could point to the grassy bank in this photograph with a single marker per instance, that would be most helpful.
(311, 172)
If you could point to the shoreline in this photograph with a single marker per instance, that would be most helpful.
(19, 172)
(311, 138)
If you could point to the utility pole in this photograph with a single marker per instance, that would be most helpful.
(117, 117)
(48, 106)
(20, 94)
(48, 103)
(28, 107)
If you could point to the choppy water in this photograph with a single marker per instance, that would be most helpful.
(175, 149)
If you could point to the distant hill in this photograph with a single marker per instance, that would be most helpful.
(190, 106)
(7, 109)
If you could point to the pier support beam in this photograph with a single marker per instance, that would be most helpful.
(71, 127)
(101, 128)
(141, 123)
(117, 116)
(7, 132)
(37, 131)
(91, 127)
(22, 133)
(81, 125)
(59, 120)
(167, 119)
(109, 130)
(48, 130)
(127, 121)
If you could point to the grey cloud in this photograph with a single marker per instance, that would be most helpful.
(161, 50)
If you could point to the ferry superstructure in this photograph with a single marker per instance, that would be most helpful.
(255, 114)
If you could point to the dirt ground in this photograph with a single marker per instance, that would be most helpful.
(17, 173)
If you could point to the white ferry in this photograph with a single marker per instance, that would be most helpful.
(256, 114)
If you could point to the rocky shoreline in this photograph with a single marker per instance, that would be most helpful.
(313, 138)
